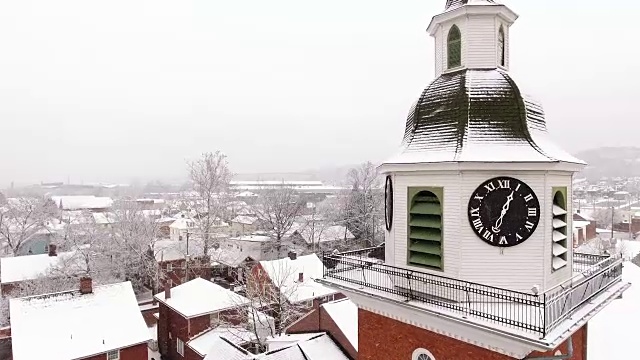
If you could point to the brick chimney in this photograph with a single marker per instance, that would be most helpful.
(167, 291)
(300, 277)
(86, 285)
(293, 255)
(53, 250)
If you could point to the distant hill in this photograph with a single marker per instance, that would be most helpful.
(611, 162)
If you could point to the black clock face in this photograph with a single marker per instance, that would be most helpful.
(388, 203)
(504, 211)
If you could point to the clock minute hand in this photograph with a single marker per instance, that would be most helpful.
(505, 208)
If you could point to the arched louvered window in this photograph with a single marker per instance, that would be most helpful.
(425, 228)
(454, 48)
(559, 212)
(501, 58)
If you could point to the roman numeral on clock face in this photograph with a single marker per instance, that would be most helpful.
(528, 198)
(528, 225)
(503, 240)
(532, 212)
(477, 223)
(503, 184)
(490, 187)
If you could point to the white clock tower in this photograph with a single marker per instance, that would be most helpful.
(478, 254)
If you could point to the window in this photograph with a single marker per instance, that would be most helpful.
(113, 355)
(422, 354)
(454, 48)
(169, 267)
(501, 46)
(180, 346)
(559, 248)
(425, 227)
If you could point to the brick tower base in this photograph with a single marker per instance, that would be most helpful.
(380, 337)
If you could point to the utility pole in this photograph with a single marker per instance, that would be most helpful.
(612, 214)
(186, 262)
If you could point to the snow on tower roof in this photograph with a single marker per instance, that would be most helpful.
(70, 325)
(199, 297)
(496, 124)
(452, 4)
(285, 274)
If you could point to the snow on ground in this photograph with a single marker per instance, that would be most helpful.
(611, 333)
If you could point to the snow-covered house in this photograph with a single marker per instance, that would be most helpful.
(244, 225)
(320, 236)
(102, 322)
(15, 271)
(294, 278)
(182, 226)
(172, 256)
(190, 309)
(337, 318)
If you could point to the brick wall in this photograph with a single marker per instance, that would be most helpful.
(318, 320)
(381, 335)
(138, 352)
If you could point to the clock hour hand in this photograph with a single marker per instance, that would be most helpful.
(505, 208)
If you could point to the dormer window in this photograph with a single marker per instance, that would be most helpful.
(454, 48)
(501, 56)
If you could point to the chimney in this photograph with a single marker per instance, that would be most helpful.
(300, 277)
(293, 255)
(167, 291)
(86, 285)
(52, 250)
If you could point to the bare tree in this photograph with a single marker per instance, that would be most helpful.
(608, 217)
(272, 303)
(363, 203)
(21, 218)
(278, 209)
(210, 177)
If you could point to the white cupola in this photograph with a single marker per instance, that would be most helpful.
(471, 34)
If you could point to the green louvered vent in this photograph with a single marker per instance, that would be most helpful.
(559, 230)
(425, 230)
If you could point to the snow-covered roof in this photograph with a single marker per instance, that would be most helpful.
(327, 234)
(580, 224)
(253, 238)
(69, 325)
(29, 267)
(79, 202)
(284, 273)
(345, 315)
(104, 218)
(223, 349)
(244, 219)
(612, 332)
(320, 347)
(246, 194)
(286, 340)
(171, 250)
(183, 224)
(200, 297)
(205, 341)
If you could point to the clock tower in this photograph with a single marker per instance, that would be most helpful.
(478, 258)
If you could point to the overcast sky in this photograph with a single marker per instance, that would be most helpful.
(117, 90)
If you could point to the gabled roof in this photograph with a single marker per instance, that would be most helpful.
(69, 325)
(244, 219)
(345, 315)
(205, 342)
(325, 234)
(200, 297)
(223, 349)
(284, 273)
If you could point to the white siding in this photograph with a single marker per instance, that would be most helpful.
(481, 42)
(439, 61)
(451, 219)
(556, 277)
(442, 40)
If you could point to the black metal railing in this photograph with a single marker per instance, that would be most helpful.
(537, 313)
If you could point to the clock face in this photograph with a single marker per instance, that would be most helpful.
(388, 203)
(504, 211)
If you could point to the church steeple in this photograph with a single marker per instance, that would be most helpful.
(471, 34)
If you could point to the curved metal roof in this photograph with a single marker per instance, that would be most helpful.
(452, 4)
(477, 116)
